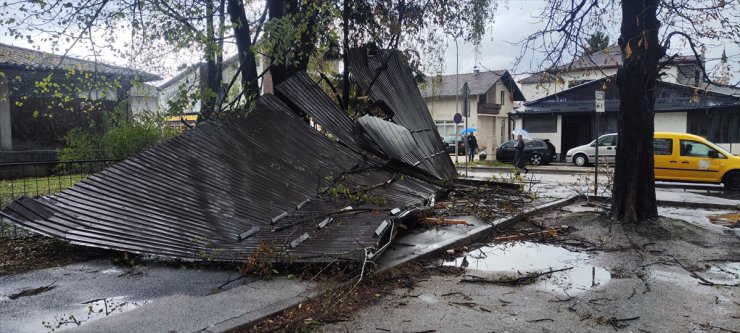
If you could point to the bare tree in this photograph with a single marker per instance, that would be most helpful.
(644, 55)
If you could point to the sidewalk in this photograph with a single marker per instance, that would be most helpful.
(107, 298)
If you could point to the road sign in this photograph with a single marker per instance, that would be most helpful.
(465, 93)
(457, 118)
(599, 101)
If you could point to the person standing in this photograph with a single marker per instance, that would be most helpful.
(472, 147)
(520, 158)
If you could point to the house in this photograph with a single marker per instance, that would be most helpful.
(182, 94)
(43, 96)
(491, 97)
(561, 103)
(681, 69)
(567, 117)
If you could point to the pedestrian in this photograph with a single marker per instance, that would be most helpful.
(472, 147)
(520, 158)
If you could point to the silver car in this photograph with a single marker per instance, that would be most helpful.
(583, 155)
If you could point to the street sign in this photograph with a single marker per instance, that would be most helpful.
(457, 118)
(466, 106)
(599, 101)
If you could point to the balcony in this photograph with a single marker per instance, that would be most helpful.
(489, 108)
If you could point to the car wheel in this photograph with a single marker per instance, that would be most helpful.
(732, 181)
(535, 159)
(580, 160)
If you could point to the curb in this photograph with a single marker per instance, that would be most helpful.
(549, 170)
(686, 204)
(234, 324)
(478, 233)
(681, 204)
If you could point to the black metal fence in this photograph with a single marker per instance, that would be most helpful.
(40, 178)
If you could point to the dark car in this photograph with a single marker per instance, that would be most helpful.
(449, 143)
(537, 151)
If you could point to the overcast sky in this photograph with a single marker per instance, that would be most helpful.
(517, 21)
(512, 23)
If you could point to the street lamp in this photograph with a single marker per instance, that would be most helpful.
(457, 95)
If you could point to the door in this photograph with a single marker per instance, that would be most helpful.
(698, 162)
(576, 132)
(506, 152)
(607, 149)
(665, 162)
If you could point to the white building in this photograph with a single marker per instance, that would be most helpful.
(682, 69)
(561, 103)
(491, 98)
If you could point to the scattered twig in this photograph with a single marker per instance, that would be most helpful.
(528, 278)
(703, 281)
(619, 323)
(540, 320)
(710, 326)
(229, 280)
(465, 304)
(33, 291)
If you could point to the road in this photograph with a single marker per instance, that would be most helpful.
(560, 184)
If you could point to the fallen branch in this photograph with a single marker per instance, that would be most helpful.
(526, 279)
(703, 281)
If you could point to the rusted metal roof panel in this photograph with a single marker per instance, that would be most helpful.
(265, 182)
(386, 77)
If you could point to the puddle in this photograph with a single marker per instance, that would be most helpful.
(79, 315)
(111, 271)
(527, 257)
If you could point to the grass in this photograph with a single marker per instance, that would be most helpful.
(35, 186)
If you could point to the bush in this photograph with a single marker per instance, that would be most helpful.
(122, 137)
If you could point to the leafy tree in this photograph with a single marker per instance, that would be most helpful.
(647, 28)
(597, 42)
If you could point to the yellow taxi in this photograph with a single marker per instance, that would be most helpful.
(690, 158)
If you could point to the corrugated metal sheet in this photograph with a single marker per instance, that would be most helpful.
(387, 78)
(225, 189)
(308, 97)
(395, 140)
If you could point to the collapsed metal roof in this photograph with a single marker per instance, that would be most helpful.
(265, 183)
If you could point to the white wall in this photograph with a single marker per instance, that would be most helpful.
(555, 138)
(671, 122)
(533, 91)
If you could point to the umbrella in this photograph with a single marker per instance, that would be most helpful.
(522, 132)
(469, 130)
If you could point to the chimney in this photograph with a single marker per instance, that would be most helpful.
(476, 70)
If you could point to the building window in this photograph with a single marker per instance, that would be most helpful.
(482, 98)
(662, 146)
(447, 127)
(541, 123)
(503, 96)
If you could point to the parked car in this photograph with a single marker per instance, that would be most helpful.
(690, 158)
(586, 154)
(678, 157)
(538, 151)
(449, 143)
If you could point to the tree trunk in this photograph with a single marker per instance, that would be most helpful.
(633, 196)
(284, 66)
(345, 56)
(210, 92)
(244, 45)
